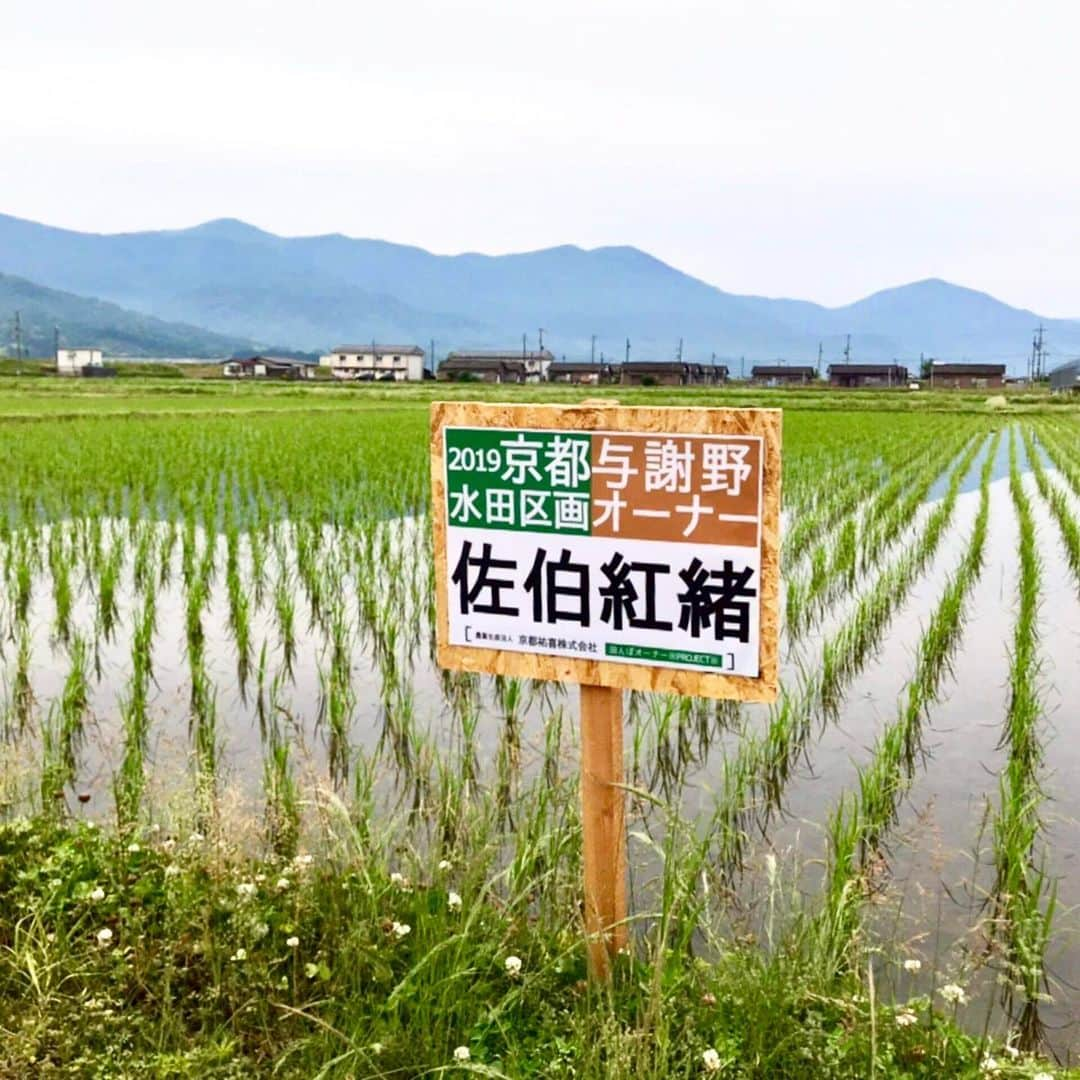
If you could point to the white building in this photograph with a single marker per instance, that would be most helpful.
(72, 361)
(383, 363)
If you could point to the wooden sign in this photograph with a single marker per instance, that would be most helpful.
(625, 547)
(619, 548)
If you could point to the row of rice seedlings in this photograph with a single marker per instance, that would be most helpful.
(1057, 499)
(62, 731)
(755, 779)
(1023, 895)
(130, 781)
(830, 504)
(837, 563)
(857, 824)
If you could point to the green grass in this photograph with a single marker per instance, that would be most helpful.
(176, 956)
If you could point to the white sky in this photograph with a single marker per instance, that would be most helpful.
(756, 145)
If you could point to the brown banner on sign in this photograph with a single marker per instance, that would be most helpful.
(677, 488)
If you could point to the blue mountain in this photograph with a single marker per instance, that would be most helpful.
(310, 292)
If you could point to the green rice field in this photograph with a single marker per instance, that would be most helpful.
(249, 828)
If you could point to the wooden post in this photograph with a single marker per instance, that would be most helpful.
(603, 825)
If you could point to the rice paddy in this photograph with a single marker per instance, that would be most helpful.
(220, 624)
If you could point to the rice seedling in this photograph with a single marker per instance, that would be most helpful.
(1024, 896)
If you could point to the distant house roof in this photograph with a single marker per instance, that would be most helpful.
(635, 366)
(770, 371)
(519, 355)
(380, 350)
(578, 367)
(865, 369)
(455, 362)
(270, 361)
(968, 369)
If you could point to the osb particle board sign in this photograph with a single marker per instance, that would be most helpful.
(629, 547)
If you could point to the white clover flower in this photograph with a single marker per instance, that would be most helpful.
(462, 1054)
(905, 1018)
(197, 838)
(168, 844)
(401, 929)
(246, 889)
(172, 870)
(444, 865)
(98, 894)
(953, 994)
(1042, 1076)
(155, 828)
(989, 1065)
(104, 936)
(513, 966)
(453, 901)
(913, 965)
(303, 860)
(260, 878)
(134, 849)
(710, 1059)
(399, 881)
(240, 955)
(377, 1048)
(292, 942)
(282, 884)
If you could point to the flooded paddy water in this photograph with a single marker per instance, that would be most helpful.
(146, 658)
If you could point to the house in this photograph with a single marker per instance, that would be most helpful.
(710, 374)
(866, 376)
(497, 365)
(462, 368)
(657, 373)
(783, 375)
(966, 376)
(589, 373)
(267, 367)
(1066, 378)
(375, 363)
(76, 361)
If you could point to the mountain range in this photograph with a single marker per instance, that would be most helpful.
(227, 286)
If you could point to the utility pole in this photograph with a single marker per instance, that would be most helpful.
(847, 350)
(524, 351)
(627, 350)
(742, 367)
(18, 336)
(1038, 354)
(820, 357)
(541, 334)
(592, 351)
(432, 356)
(678, 355)
(56, 343)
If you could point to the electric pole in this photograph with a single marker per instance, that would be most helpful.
(678, 355)
(432, 356)
(18, 336)
(541, 335)
(1038, 352)
(592, 351)
(56, 343)
(847, 350)
(628, 350)
(820, 356)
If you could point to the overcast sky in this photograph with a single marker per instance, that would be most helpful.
(755, 145)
